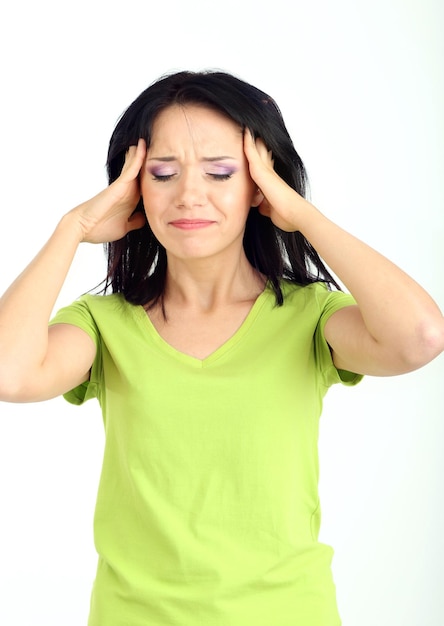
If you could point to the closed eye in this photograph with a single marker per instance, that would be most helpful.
(221, 176)
(162, 178)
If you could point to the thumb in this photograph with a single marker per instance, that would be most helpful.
(136, 220)
(264, 208)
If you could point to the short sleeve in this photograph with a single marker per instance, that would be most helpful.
(78, 314)
(330, 302)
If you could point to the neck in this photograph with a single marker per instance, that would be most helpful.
(206, 284)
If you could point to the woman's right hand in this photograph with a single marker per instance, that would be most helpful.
(108, 216)
(36, 364)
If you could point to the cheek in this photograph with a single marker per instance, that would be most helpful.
(235, 196)
(153, 199)
(243, 201)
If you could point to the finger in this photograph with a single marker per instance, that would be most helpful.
(134, 158)
(265, 154)
(264, 208)
(141, 148)
(136, 221)
(255, 149)
(136, 152)
(248, 142)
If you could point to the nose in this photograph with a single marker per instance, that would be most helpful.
(190, 189)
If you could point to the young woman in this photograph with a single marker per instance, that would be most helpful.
(218, 334)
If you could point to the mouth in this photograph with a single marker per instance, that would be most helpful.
(194, 224)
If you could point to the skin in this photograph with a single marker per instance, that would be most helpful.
(197, 203)
(395, 327)
(206, 177)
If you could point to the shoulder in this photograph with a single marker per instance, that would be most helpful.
(102, 302)
(93, 312)
(97, 305)
(316, 296)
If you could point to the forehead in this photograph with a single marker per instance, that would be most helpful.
(193, 123)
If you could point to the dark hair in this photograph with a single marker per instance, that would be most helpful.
(137, 263)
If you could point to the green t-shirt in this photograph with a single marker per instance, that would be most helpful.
(207, 510)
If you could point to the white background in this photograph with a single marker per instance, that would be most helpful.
(361, 87)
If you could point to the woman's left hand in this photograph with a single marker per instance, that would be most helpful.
(282, 204)
(396, 326)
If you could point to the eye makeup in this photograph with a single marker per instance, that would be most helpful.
(220, 170)
(164, 169)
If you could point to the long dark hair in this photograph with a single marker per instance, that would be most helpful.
(137, 263)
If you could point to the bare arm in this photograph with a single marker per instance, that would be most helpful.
(396, 326)
(37, 363)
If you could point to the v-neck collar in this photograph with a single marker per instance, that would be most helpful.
(228, 345)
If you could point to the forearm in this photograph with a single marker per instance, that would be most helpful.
(26, 306)
(397, 312)
(398, 326)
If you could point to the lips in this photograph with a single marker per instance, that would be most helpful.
(191, 224)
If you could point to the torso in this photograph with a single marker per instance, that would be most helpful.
(212, 466)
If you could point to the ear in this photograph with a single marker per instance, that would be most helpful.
(258, 197)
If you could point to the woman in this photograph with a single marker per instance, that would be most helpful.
(210, 358)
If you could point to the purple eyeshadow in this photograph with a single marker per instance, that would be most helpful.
(223, 170)
(217, 169)
(161, 170)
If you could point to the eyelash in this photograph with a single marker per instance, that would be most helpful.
(162, 179)
(165, 178)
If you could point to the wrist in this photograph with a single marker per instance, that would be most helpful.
(310, 220)
(70, 225)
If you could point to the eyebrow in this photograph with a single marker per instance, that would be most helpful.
(169, 159)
